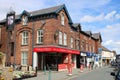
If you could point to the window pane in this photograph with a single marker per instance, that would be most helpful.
(24, 58)
(60, 38)
(71, 42)
(65, 39)
(39, 36)
(62, 19)
(25, 38)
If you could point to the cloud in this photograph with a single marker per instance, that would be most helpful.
(117, 16)
(89, 18)
(110, 16)
(111, 36)
(19, 6)
(113, 45)
(102, 17)
(111, 31)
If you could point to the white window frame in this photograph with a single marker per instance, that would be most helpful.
(25, 20)
(24, 58)
(40, 36)
(25, 38)
(62, 19)
(65, 39)
(71, 42)
(60, 38)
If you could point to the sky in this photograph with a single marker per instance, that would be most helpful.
(94, 15)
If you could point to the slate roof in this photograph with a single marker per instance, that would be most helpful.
(88, 32)
(76, 25)
(97, 36)
(50, 10)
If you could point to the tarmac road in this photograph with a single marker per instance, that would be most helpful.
(98, 74)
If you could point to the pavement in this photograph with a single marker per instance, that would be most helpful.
(59, 75)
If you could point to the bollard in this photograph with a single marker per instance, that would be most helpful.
(49, 76)
(36, 71)
(44, 70)
(27, 68)
(81, 68)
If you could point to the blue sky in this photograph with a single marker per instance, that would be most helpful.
(95, 15)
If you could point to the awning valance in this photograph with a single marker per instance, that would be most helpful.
(55, 49)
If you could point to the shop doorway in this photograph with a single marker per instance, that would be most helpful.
(49, 61)
(78, 61)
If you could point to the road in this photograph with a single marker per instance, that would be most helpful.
(98, 74)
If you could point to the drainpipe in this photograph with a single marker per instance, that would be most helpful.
(14, 47)
(32, 42)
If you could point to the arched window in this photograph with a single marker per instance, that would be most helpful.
(62, 19)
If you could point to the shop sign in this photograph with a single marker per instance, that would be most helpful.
(56, 49)
(83, 54)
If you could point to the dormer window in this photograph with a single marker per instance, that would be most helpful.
(24, 20)
(62, 19)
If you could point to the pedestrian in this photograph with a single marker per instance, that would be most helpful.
(92, 64)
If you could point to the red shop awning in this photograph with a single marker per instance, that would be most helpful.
(55, 49)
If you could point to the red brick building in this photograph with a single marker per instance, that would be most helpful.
(45, 38)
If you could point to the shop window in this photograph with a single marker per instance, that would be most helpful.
(25, 38)
(39, 36)
(24, 58)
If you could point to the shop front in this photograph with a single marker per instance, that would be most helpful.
(54, 58)
(88, 58)
(83, 58)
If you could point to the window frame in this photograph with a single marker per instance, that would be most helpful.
(71, 42)
(62, 19)
(24, 20)
(24, 58)
(60, 38)
(25, 37)
(65, 39)
(40, 35)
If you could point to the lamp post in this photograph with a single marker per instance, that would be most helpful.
(100, 55)
(10, 21)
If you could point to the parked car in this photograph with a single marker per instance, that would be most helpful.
(116, 75)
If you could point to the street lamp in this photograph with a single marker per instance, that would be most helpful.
(10, 22)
